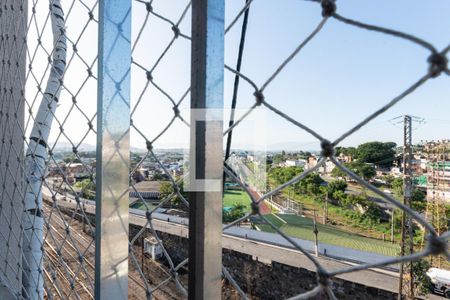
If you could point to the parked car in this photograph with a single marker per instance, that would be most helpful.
(439, 281)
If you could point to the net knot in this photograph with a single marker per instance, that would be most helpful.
(259, 96)
(176, 110)
(149, 76)
(323, 278)
(438, 64)
(148, 6)
(255, 208)
(176, 31)
(149, 145)
(327, 148)
(436, 245)
(328, 8)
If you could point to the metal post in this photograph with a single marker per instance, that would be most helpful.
(13, 28)
(205, 205)
(406, 270)
(112, 178)
(392, 224)
(316, 233)
(142, 255)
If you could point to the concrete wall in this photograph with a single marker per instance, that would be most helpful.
(13, 17)
(270, 279)
(266, 271)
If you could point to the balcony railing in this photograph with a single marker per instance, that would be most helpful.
(113, 76)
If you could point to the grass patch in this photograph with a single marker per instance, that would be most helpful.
(232, 197)
(301, 227)
(274, 220)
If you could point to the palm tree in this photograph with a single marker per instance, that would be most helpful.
(35, 159)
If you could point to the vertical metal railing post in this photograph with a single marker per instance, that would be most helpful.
(113, 124)
(205, 210)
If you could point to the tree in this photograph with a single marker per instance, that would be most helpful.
(166, 189)
(418, 201)
(237, 211)
(350, 151)
(371, 212)
(388, 179)
(277, 158)
(421, 281)
(337, 172)
(36, 156)
(310, 184)
(87, 188)
(336, 185)
(377, 153)
(71, 158)
(363, 170)
(397, 186)
(282, 175)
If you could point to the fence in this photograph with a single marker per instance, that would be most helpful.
(60, 240)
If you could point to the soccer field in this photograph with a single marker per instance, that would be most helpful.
(232, 197)
(301, 227)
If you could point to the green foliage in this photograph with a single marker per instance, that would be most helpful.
(237, 211)
(420, 268)
(417, 197)
(339, 196)
(351, 151)
(378, 153)
(418, 201)
(87, 188)
(71, 158)
(388, 179)
(309, 185)
(336, 185)
(371, 212)
(366, 171)
(277, 158)
(397, 186)
(282, 175)
(166, 189)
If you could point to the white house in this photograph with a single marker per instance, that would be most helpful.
(295, 163)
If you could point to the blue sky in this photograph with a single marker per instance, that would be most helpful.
(345, 73)
(340, 77)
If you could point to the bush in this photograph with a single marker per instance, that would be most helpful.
(420, 268)
(237, 211)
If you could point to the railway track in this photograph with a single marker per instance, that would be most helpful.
(68, 260)
(69, 266)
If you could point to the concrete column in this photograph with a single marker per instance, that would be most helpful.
(13, 22)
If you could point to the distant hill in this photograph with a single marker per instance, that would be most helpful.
(67, 147)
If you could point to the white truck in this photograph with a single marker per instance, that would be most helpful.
(439, 281)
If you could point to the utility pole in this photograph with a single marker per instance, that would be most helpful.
(406, 282)
(392, 225)
(316, 233)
